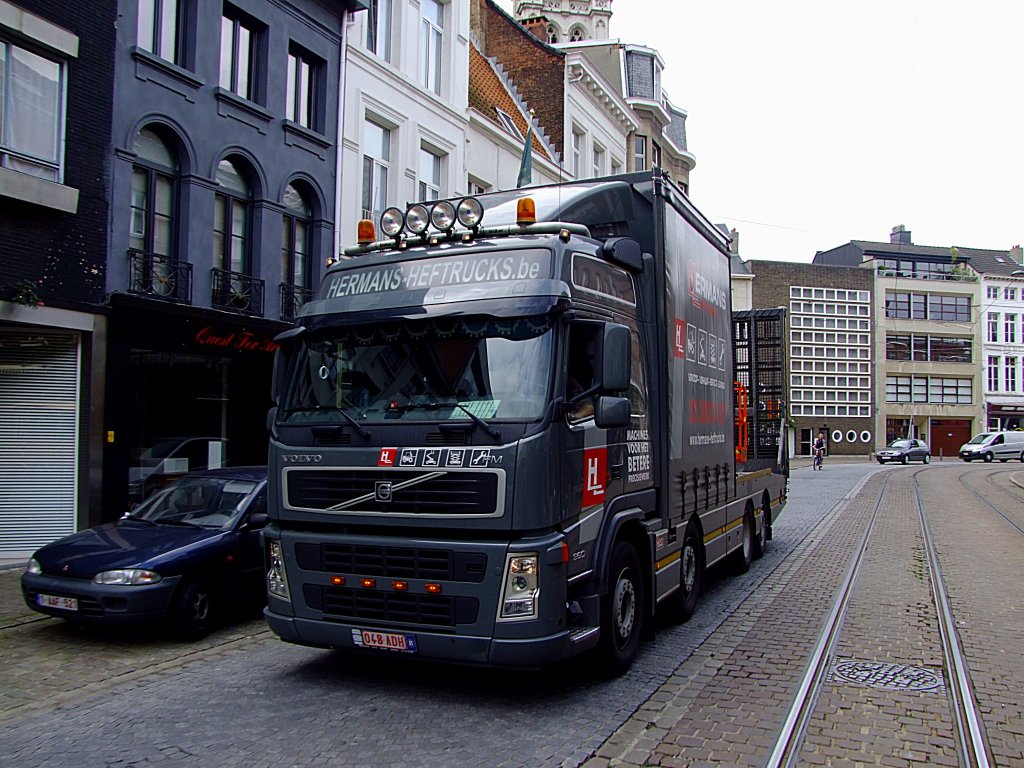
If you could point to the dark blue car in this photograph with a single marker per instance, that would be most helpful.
(184, 555)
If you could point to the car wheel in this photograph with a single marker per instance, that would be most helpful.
(988, 457)
(622, 611)
(1022, 457)
(194, 613)
(927, 458)
(904, 459)
(881, 462)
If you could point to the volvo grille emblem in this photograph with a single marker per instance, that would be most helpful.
(382, 490)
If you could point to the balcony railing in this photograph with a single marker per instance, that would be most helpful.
(292, 299)
(237, 292)
(159, 277)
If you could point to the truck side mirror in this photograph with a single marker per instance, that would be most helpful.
(286, 342)
(615, 358)
(611, 412)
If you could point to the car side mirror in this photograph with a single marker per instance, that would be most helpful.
(257, 520)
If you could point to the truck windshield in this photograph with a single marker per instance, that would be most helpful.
(443, 369)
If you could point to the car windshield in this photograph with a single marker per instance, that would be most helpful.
(203, 502)
(899, 444)
(979, 439)
(444, 369)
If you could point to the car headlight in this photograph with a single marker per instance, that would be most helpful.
(277, 579)
(519, 600)
(33, 567)
(127, 577)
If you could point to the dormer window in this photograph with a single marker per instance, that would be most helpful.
(509, 124)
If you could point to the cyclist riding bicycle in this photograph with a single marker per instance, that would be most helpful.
(819, 451)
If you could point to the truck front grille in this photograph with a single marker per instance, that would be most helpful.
(409, 492)
(392, 562)
(391, 607)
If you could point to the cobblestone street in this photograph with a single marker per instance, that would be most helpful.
(710, 692)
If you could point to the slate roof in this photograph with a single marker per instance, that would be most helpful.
(987, 262)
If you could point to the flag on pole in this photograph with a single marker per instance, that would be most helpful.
(526, 164)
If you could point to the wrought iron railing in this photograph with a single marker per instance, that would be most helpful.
(237, 292)
(159, 277)
(292, 299)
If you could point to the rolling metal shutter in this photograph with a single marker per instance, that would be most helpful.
(39, 405)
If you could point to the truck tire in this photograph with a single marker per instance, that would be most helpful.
(744, 556)
(193, 614)
(681, 604)
(622, 611)
(761, 539)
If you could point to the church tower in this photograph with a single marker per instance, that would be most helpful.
(568, 21)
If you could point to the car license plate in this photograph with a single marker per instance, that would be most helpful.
(391, 641)
(52, 601)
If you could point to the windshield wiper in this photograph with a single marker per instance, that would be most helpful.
(178, 522)
(359, 428)
(139, 519)
(434, 405)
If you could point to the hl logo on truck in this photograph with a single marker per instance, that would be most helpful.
(595, 462)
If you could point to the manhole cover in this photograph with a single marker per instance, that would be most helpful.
(891, 677)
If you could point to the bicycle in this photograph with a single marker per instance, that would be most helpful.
(819, 458)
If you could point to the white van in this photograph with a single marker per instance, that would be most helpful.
(994, 445)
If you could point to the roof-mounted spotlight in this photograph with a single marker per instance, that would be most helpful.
(417, 219)
(442, 216)
(391, 222)
(470, 212)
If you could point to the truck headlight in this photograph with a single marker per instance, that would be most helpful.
(277, 579)
(128, 577)
(519, 599)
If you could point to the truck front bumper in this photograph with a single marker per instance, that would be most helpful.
(465, 649)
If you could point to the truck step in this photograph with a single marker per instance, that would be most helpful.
(581, 634)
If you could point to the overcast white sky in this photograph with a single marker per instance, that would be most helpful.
(815, 122)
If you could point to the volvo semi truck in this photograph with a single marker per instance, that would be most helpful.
(515, 428)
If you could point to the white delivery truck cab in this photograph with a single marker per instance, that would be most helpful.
(994, 445)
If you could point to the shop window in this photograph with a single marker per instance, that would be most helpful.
(32, 105)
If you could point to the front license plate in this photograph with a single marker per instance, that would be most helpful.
(390, 641)
(52, 601)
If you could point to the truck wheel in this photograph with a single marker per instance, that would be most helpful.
(744, 556)
(622, 611)
(761, 539)
(193, 613)
(680, 605)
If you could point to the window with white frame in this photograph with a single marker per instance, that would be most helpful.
(32, 115)
(431, 40)
(1010, 328)
(577, 153)
(476, 187)
(992, 292)
(639, 153)
(376, 163)
(510, 125)
(993, 326)
(598, 161)
(616, 167)
(160, 28)
(378, 28)
(1010, 369)
(1010, 294)
(993, 373)
(303, 90)
(430, 175)
(238, 47)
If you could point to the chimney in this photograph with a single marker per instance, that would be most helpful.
(1017, 254)
(900, 235)
(734, 243)
(478, 23)
(536, 26)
